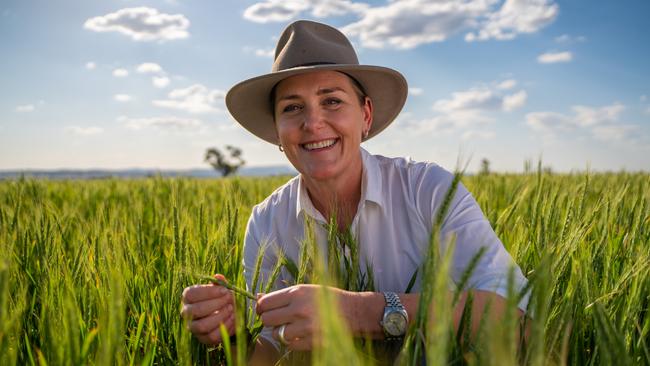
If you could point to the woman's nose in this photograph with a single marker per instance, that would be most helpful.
(313, 119)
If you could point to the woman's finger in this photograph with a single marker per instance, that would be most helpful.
(204, 308)
(274, 300)
(210, 322)
(214, 336)
(277, 316)
(199, 293)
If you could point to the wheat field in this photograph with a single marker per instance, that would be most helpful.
(91, 272)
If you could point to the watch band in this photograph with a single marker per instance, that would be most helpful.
(392, 300)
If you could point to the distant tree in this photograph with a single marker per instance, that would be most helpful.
(485, 166)
(223, 164)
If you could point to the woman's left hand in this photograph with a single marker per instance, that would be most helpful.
(296, 308)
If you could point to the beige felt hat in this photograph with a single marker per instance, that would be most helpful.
(304, 47)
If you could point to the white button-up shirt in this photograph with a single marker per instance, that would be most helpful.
(393, 224)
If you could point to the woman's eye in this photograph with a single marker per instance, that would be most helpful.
(332, 101)
(291, 108)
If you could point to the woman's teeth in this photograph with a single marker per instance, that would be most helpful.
(320, 144)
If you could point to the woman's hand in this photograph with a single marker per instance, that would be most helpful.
(206, 307)
(296, 308)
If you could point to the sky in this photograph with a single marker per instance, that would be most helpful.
(117, 84)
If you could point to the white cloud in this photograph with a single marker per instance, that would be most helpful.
(514, 101)
(415, 91)
(406, 24)
(565, 38)
(25, 108)
(149, 67)
(122, 98)
(194, 99)
(120, 73)
(90, 65)
(474, 99)
(475, 134)
(554, 57)
(464, 110)
(169, 122)
(549, 122)
(84, 131)
(515, 17)
(602, 123)
(265, 53)
(587, 116)
(507, 84)
(160, 81)
(613, 132)
(285, 10)
(142, 24)
(643, 98)
(274, 11)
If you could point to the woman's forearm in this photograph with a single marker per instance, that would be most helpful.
(364, 310)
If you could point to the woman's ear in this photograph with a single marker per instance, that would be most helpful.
(367, 113)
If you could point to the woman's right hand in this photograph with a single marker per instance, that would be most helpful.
(206, 307)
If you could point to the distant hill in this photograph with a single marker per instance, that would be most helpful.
(141, 173)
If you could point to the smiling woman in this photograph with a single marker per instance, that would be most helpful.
(318, 104)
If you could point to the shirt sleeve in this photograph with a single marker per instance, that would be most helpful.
(466, 224)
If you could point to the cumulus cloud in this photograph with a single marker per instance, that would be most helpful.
(507, 84)
(415, 91)
(477, 135)
(120, 73)
(194, 99)
(514, 101)
(515, 17)
(90, 65)
(409, 23)
(142, 24)
(473, 99)
(122, 98)
(25, 108)
(159, 78)
(265, 53)
(160, 81)
(285, 10)
(169, 122)
(602, 123)
(614, 132)
(149, 68)
(565, 38)
(468, 109)
(84, 131)
(481, 98)
(554, 57)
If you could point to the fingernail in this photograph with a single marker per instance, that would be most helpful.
(223, 291)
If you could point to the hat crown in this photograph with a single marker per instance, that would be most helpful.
(306, 43)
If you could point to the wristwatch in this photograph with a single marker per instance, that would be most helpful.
(395, 319)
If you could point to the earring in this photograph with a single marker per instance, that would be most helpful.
(365, 134)
(281, 148)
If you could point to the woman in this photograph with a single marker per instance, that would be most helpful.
(318, 104)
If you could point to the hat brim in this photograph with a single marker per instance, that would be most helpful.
(249, 103)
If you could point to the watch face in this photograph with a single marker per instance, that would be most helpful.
(395, 324)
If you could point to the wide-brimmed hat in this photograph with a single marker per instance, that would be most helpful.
(307, 46)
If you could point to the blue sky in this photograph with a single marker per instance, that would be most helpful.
(124, 83)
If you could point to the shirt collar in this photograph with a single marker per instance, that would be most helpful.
(371, 187)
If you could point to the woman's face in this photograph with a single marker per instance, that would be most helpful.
(320, 122)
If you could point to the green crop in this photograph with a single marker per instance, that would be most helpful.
(92, 272)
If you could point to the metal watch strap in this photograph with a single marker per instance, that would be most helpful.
(392, 300)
